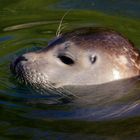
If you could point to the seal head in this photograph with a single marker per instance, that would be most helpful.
(85, 56)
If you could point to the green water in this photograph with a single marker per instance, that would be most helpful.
(27, 25)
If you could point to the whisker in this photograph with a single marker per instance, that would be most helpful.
(59, 29)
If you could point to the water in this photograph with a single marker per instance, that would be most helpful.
(28, 25)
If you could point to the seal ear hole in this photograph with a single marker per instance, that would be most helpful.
(66, 60)
(93, 59)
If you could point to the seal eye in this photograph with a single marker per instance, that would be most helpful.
(66, 60)
(93, 59)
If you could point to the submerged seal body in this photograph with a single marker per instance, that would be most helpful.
(85, 56)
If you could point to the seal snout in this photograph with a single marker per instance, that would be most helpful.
(16, 62)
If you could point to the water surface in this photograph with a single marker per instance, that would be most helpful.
(28, 25)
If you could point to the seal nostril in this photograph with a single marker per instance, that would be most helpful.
(15, 63)
(19, 59)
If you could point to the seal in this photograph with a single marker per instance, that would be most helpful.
(84, 56)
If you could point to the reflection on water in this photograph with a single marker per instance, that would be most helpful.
(5, 38)
(125, 7)
(110, 112)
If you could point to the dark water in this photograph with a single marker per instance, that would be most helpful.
(28, 25)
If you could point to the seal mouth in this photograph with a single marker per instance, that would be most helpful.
(15, 63)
